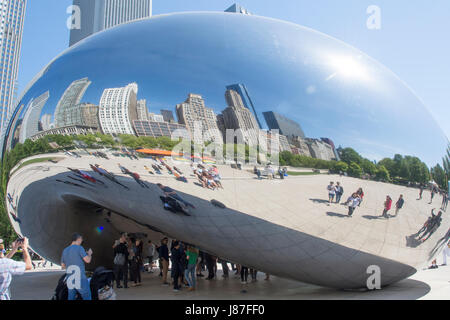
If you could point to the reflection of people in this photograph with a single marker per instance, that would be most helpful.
(444, 201)
(339, 192)
(420, 192)
(331, 192)
(360, 194)
(387, 206)
(353, 202)
(399, 204)
(445, 253)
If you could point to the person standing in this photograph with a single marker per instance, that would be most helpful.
(210, 262)
(121, 261)
(225, 268)
(74, 257)
(331, 192)
(433, 191)
(9, 267)
(177, 265)
(189, 274)
(352, 202)
(445, 253)
(421, 192)
(254, 273)
(387, 206)
(150, 254)
(164, 256)
(444, 201)
(244, 274)
(360, 194)
(399, 204)
(339, 192)
(136, 263)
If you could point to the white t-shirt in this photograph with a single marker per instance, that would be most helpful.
(331, 189)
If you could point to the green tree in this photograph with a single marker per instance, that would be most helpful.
(354, 170)
(439, 176)
(382, 174)
(348, 155)
(340, 166)
(368, 167)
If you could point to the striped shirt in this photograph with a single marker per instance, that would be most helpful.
(8, 268)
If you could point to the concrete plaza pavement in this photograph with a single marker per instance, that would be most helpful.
(432, 284)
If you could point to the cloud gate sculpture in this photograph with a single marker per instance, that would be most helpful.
(224, 71)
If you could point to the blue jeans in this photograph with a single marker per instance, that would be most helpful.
(189, 275)
(84, 291)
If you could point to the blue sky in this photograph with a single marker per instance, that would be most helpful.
(413, 40)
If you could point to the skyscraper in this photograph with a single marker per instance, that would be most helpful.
(118, 109)
(98, 15)
(168, 116)
(236, 117)
(30, 122)
(286, 126)
(237, 8)
(246, 100)
(142, 111)
(46, 121)
(193, 113)
(12, 13)
(71, 98)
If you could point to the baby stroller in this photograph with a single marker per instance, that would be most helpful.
(101, 284)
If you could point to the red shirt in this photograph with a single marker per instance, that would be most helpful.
(388, 204)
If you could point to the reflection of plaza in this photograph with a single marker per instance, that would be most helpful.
(276, 219)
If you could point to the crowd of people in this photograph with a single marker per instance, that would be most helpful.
(335, 191)
(187, 264)
(208, 177)
(269, 172)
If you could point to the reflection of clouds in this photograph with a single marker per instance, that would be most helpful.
(368, 148)
(331, 76)
(311, 89)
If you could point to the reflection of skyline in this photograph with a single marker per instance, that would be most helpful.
(171, 66)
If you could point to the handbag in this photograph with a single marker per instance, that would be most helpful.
(119, 259)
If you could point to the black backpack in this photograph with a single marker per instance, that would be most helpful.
(62, 292)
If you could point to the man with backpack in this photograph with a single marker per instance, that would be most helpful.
(121, 261)
(73, 259)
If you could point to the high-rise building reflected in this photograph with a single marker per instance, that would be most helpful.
(142, 110)
(237, 8)
(192, 113)
(237, 117)
(285, 125)
(46, 121)
(65, 115)
(118, 109)
(246, 99)
(98, 15)
(168, 116)
(30, 122)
